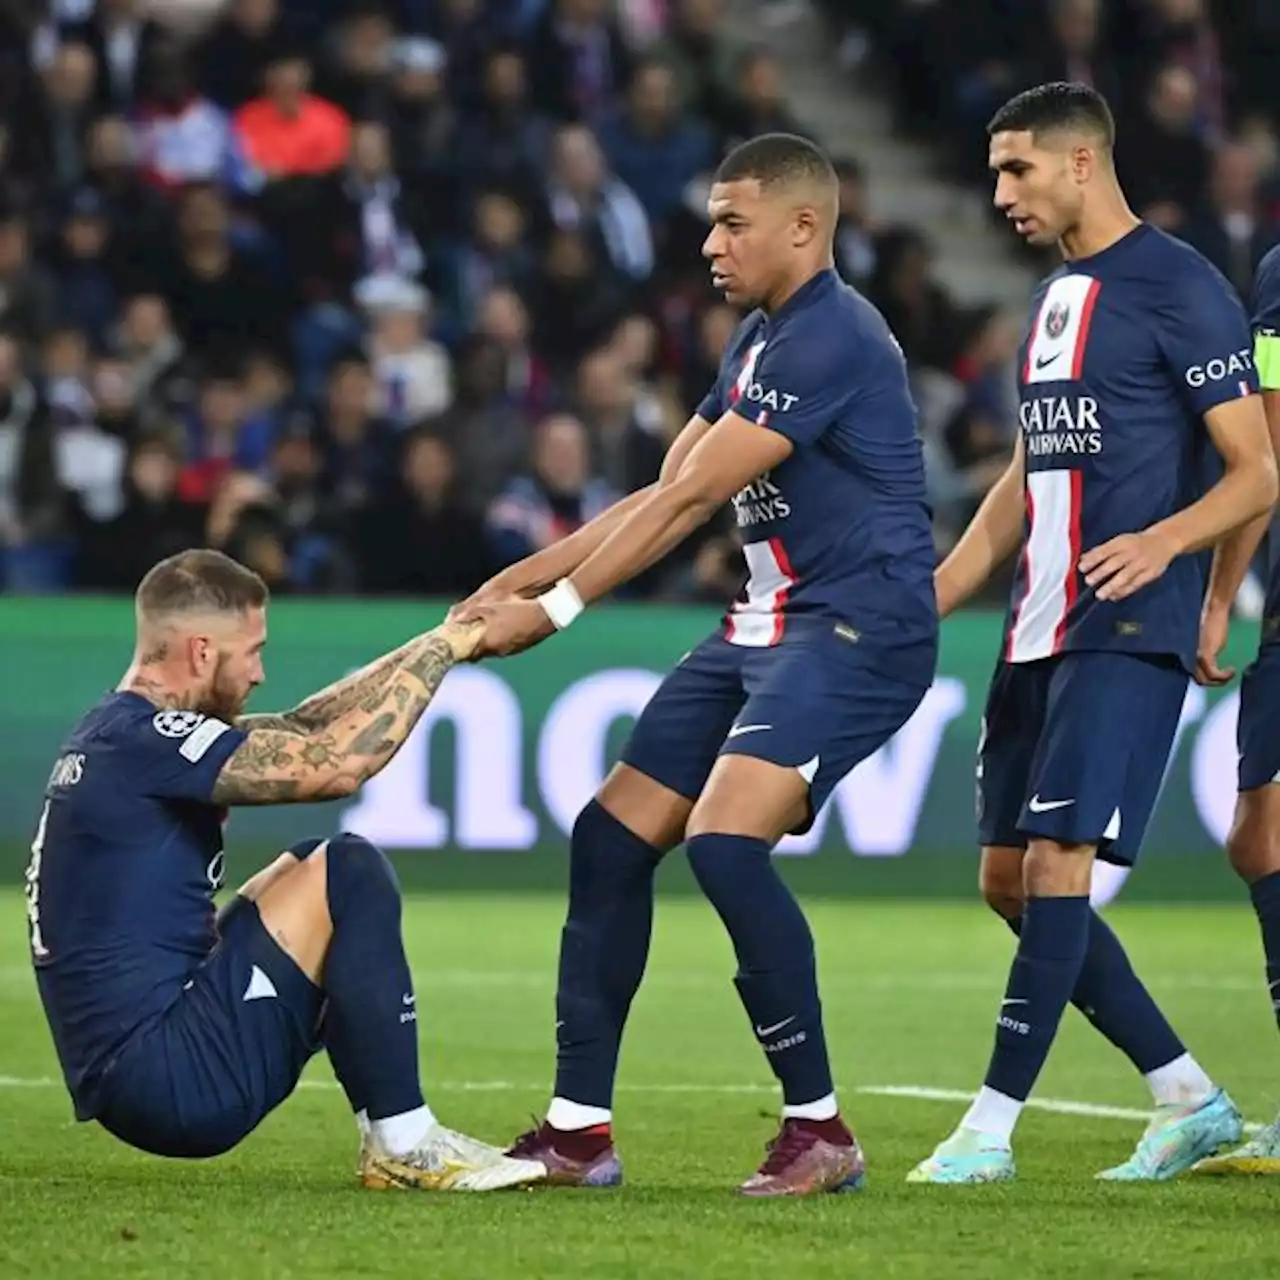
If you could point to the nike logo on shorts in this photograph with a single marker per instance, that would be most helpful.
(739, 729)
(1036, 805)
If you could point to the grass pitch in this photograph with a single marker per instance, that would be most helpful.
(910, 992)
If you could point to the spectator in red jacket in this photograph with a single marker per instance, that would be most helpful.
(290, 132)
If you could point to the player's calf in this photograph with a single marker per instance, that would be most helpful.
(617, 842)
(777, 976)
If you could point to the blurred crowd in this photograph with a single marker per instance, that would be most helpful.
(379, 297)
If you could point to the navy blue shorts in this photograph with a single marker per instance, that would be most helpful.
(1074, 748)
(816, 704)
(1258, 728)
(230, 1049)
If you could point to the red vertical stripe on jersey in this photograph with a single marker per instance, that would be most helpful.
(1031, 339)
(1072, 584)
(1082, 334)
(1026, 579)
(780, 596)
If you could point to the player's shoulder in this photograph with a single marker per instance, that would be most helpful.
(835, 322)
(125, 721)
(1173, 269)
(831, 305)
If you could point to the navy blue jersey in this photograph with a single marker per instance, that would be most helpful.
(1126, 352)
(1266, 352)
(126, 858)
(841, 529)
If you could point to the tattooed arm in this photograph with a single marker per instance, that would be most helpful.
(286, 765)
(321, 709)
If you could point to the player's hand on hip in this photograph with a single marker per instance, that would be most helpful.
(1214, 625)
(1126, 564)
(510, 626)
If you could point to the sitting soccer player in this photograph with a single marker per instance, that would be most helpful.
(179, 1032)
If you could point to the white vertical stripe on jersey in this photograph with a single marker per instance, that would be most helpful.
(757, 621)
(1050, 563)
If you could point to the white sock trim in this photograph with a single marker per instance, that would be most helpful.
(563, 1114)
(400, 1134)
(363, 1123)
(993, 1113)
(822, 1109)
(1181, 1082)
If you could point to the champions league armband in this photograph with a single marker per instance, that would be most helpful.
(562, 603)
(1266, 358)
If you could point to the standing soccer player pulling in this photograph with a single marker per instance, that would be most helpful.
(811, 433)
(1134, 343)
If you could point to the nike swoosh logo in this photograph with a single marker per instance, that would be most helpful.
(407, 999)
(1043, 362)
(777, 1026)
(1036, 805)
(739, 730)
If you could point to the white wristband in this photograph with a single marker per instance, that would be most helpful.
(562, 603)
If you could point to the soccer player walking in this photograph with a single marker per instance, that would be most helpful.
(1136, 358)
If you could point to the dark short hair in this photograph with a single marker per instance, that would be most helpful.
(199, 581)
(1057, 105)
(777, 159)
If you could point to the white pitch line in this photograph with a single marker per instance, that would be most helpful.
(1060, 1106)
(920, 1093)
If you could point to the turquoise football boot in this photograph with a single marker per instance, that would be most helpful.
(967, 1157)
(1178, 1137)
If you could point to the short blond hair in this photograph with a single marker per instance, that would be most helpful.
(199, 581)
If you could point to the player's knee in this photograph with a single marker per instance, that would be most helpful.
(357, 868)
(1249, 850)
(1005, 900)
(1054, 870)
(1000, 882)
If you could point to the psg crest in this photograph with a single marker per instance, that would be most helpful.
(1056, 321)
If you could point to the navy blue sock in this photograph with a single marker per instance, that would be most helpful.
(777, 976)
(1266, 902)
(1112, 997)
(1052, 942)
(370, 1027)
(603, 949)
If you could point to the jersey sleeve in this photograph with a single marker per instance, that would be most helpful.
(177, 755)
(711, 406)
(1266, 322)
(1205, 337)
(800, 384)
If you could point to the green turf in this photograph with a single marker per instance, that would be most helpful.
(910, 993)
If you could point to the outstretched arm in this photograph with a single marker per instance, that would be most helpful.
(729, 456)
(287, 765)
(535, 573)
(322, 708)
